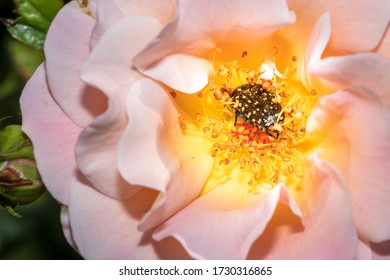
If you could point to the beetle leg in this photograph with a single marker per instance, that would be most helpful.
(274, 134)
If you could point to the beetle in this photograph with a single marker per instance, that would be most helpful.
(256, 106)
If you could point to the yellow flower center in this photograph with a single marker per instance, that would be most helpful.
(253, 122)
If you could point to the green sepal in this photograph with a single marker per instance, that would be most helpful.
(14, 144)
(13, 212)
(20, 183)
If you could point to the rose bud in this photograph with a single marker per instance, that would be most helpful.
(20, 182)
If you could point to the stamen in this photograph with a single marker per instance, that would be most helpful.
(253, 124)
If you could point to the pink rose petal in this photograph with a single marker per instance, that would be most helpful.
(91, 7)
(353, 129)
(328, 231)
(66, 49)
(357, 26)
(363, 251)
(96, 150)
(109, 68)
(373, 251)
(66, 228)
(367, 70)
(351, 35)
(104, 228)
(195, 32)
(142, 158)
(180, 191)
(112, 11)
(173, 71)
(316, 45)
(384, 46)
(154, 153)
(223, 223)
(52, 133)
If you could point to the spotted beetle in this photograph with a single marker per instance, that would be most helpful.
(255, 105)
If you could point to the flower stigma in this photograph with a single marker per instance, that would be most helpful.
(253, 122)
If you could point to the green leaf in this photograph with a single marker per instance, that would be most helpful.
(48, 8)
(35, 17)
(27, 35)
(37, 13)
(31, 17)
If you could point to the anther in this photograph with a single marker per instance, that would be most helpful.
(183, 126)
(286, 159)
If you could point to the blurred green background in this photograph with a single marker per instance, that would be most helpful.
(38, 234)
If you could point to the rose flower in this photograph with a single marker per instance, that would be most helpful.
(217, 129)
